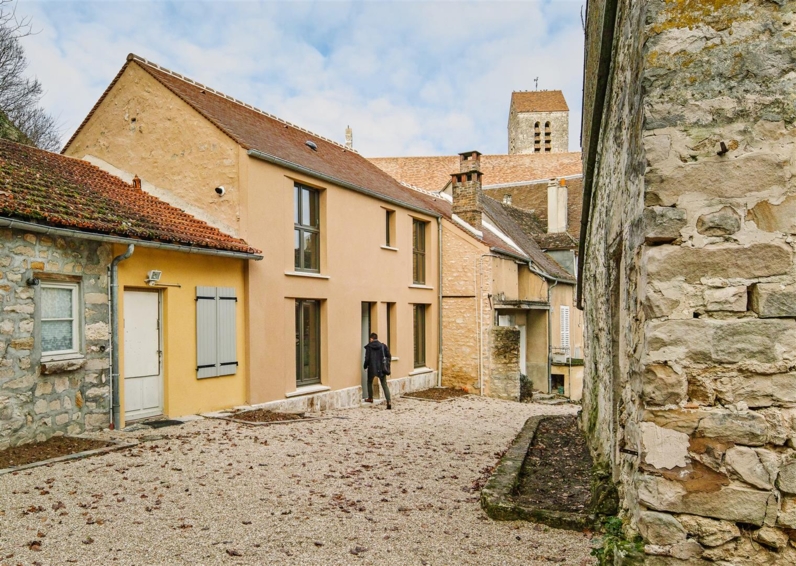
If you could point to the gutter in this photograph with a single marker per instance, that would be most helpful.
(600, 93)
(439, 308)
(549, 277)
(267, 157)
(71, 233)
(114, 285)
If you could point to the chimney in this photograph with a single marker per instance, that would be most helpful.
(466, 186)
(136, 182)
(556, 206)
(507, 199)
(349, 137)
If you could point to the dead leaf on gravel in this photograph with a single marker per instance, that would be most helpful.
(233, 552)
(88, 540)
(35, 545)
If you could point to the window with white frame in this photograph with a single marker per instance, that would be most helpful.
(565, 328)
(60, 318)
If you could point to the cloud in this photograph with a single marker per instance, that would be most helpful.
(411, 78)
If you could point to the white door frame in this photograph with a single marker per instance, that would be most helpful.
(160, 382)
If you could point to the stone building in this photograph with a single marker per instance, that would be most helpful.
(538, 122)
(688, 274)
(62, 221)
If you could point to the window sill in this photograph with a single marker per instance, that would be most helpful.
(418, 371)
(308, 390)
(392, 249)
(62, 363)
(394, 359)
(306, 274)
(417, 286)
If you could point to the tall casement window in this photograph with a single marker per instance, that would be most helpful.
(216, 332)
(307, 229)
(419, 252)
(60, 319)
(389, 228)
(308, 342)
(390, 327)
(420, 335)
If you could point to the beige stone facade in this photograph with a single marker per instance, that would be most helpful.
(688, 274)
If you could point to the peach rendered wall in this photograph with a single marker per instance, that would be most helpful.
(355, 268)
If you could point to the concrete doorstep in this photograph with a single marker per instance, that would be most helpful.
(497, 496)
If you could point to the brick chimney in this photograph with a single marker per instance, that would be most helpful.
(136, 182)
(467, 189)
(556, 206)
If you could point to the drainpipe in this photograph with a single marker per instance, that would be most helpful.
(439, 308)
(550, 338)
(114, 285)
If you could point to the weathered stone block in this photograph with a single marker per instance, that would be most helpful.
(24, 382)
(770, 537)
(40, 406)
(709, 532)
(746, 465)
(747, 428)
(681, 420)
(663, 448)
(662, 224)
(726, 299)
(663, 385)
(660, 528)
(62, 366)
(765, 341)
(774, 300)
(22, 344)
(779, 217)
(786, 480)
(96, 420)
(732, 503)
(61, 419)
(725, 261)
(723, 222)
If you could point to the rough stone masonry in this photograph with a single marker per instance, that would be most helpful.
(689, 280)
(40, 398)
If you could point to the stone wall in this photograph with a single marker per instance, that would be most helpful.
(65, 397)
(504, 362)
(690, 389)
(521, 131)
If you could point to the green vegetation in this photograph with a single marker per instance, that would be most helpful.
(614, 548)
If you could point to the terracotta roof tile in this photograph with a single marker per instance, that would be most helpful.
(539, 101)
(256, 130)
(533, 197)
(56, 190)
(434, 173)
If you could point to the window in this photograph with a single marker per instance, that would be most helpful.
(420, 335)
(537, 140)
(216, 332)
(60, 318)
(308, 342)
(565, 328)
(306, 224)
(389, 236)
(419, 252)
(390, 329)
(547, 138)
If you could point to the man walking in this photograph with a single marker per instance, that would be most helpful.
(377, 362)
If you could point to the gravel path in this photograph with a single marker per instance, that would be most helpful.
(370, 487)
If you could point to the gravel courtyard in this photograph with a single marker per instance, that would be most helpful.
(369, 486)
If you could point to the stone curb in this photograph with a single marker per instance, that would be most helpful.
(409, 396)
(291, 421)
(496, 496)
(118, 445)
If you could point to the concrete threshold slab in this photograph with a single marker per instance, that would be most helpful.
(497, 496)
(117, 445)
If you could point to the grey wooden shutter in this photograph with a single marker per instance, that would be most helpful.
(216, 344)
(225, 332)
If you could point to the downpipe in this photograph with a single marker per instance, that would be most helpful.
(439, 307)
(114, 285)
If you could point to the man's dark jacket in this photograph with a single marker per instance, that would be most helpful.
(375, 352)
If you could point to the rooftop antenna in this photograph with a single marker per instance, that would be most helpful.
(536, 82)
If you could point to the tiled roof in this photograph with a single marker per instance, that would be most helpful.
(556, 241)
(56, 190)
(256, 130)
(533, 197)
(539, 101)
(503, 220)
(434, 173)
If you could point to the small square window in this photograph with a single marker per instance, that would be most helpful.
(60, 318)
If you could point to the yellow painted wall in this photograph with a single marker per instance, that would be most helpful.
(358, 270)
(142, 128)
(184, 394)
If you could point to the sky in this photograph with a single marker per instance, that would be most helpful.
(410, 78)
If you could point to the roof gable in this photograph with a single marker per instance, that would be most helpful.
(56, 190)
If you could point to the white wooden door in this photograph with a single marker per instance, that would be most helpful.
(143, 378)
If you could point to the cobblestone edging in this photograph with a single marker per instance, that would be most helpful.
(497, 495)
(117, 445)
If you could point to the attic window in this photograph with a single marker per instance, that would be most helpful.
(311, 145)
